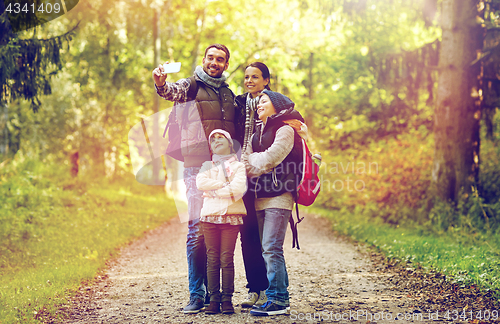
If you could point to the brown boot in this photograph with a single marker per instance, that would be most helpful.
(227, 307)
(213, 308)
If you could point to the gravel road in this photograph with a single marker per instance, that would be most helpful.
(331, 279)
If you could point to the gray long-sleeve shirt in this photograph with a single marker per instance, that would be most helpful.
(258, 163)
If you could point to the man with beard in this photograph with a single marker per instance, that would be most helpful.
(215, 110)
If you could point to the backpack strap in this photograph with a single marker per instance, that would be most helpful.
(191, 95)
(193, 88)
(293, 227)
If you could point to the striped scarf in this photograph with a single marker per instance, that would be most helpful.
(250, 124)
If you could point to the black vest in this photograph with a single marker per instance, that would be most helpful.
(284, 177)
(214, 110)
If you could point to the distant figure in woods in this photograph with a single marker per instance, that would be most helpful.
(223, 181)
(215, 102)
(271, 159)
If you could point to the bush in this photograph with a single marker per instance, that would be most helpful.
(391, 175)
(470, 216)
(58, 231)
(489, 173)
(27, 197)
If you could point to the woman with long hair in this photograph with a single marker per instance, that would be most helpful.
(257, 79)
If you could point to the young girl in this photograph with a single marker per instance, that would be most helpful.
(223, 182)
(272, 158)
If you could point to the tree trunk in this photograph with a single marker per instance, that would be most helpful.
(99, 157)
(4, 131)
(201, 23)
(310, 81)
(456, 123)
(156, 100)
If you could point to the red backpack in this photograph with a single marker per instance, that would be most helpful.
(307, 190)
(309, 186)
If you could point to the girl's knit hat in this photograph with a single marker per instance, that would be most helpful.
(280, 102)
(223, 132)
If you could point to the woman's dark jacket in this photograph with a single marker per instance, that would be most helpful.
(286, 176)
(240, 102)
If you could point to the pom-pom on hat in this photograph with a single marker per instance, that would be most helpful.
(280, 102)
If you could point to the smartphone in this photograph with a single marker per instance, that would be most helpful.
(171, 67)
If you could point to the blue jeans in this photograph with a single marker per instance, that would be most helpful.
(195, 244)
(272, 229)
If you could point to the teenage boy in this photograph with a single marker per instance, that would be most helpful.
(214, 101)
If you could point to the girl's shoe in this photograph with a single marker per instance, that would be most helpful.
(207, 300)
(227, 307)
(213, 308)
(195, 306)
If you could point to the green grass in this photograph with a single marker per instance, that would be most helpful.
(465, 259)
(58, 232)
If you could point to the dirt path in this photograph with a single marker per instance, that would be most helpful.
(330, 280)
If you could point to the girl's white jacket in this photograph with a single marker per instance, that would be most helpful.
(217, 199)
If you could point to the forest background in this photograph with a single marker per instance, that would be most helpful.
(364, 73)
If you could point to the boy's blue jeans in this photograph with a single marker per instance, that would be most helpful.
(273, 223)
(195, 244)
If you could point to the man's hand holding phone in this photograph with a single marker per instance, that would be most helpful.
(161, 72)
